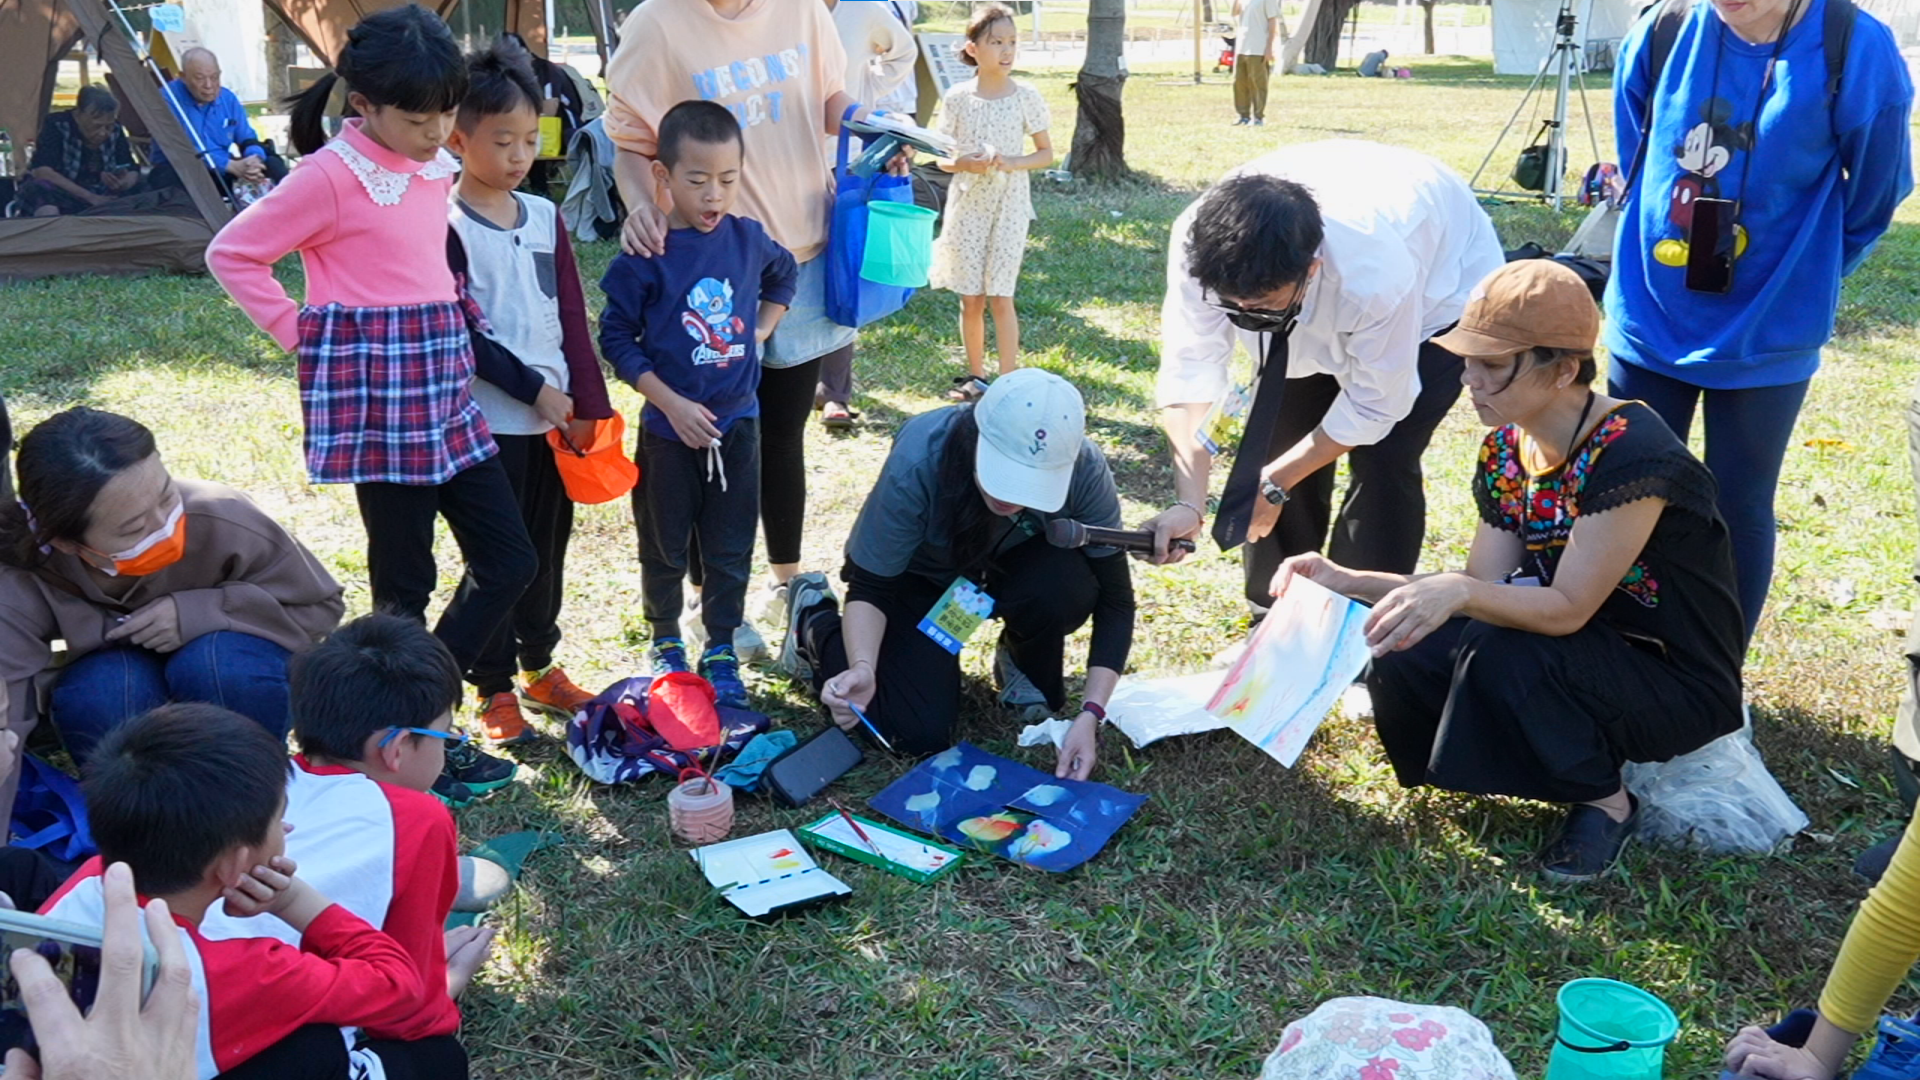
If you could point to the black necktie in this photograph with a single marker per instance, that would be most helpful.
(1243, 480)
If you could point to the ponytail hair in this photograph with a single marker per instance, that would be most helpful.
(962, 517)
(403, 57)
(63, 464)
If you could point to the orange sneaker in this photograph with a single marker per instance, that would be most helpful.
(551, 691)
(503, 722)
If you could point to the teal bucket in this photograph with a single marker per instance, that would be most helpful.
(899, 244)
(1610, 1031)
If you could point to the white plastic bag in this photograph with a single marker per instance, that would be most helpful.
(1719, 798)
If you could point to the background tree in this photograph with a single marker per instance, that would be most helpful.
(1100, 131)
(1323, 34)
(1426, 7)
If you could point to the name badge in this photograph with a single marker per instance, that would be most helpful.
(956, 615)
(1231, 405)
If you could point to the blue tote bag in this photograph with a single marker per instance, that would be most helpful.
(851, 299)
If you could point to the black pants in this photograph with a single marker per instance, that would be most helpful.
(484, 517)
(533, 630)
(681, 497)
(165, 175)
(319, 1052)
(1383, 518)
(1041, 594)
(1495, 711)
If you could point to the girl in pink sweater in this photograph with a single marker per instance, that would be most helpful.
(385, 359)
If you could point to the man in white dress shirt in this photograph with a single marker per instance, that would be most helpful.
(1344, 258)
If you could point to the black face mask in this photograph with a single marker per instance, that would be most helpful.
(1267, 320)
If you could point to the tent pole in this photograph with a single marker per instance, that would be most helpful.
(146, 97)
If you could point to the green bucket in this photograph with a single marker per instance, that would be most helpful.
(1610, 1031)
(899, 244)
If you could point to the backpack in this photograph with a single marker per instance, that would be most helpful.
(1836, 30)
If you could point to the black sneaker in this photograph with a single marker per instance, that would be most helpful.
(452, 792)
(1588, 845)
(804, 593)
(480, 772)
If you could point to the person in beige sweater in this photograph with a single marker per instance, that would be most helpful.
(162, 589)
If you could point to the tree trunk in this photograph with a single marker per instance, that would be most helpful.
(1323, 37)
(1426, 6)
(1099, 132)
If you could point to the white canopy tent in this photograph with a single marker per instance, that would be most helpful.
(1523, 30)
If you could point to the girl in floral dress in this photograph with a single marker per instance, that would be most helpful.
(989, 206)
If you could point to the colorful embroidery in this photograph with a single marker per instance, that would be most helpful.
(1543, 509)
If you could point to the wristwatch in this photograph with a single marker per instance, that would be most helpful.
(1273, 492)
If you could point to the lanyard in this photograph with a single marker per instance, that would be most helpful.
(1760, 99)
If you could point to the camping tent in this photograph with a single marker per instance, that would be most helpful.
(1523, 30)
(34, 36)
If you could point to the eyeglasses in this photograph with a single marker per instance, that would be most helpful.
(1266, 320)
(456, 738)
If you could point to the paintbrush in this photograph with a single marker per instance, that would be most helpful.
(858, 831)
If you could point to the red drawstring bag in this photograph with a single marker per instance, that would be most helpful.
(680, 709)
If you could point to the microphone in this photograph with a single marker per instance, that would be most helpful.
(1073, 534)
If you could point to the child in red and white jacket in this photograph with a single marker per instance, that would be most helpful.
(190, 796)
(372, 708)
(385, 354)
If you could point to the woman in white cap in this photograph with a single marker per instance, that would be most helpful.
(965, 497)
(1596, 621)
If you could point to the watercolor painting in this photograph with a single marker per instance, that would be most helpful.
(992, 804)
(1306, 652)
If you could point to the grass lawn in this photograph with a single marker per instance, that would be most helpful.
(1243, 893)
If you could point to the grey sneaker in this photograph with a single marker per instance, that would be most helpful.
(803, 593)
(1017, 692)
(748, 645)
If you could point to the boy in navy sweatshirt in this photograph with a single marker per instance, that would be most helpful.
(684, 329)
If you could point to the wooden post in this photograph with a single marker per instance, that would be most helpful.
(141, 90)
(1198, 48)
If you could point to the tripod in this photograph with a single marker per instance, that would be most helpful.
(1564, 59)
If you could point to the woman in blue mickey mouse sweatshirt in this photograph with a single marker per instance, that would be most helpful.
(1744, 110)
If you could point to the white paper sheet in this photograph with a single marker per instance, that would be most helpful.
(1148, 710)
(1302, 658)
(758, 874)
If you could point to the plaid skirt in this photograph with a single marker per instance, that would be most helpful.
(384, 391)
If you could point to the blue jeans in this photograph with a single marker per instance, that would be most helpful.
(102, 690)
(1747, 435)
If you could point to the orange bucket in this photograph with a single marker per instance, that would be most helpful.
(600, 471)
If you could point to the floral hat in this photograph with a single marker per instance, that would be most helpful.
(1364, 1038)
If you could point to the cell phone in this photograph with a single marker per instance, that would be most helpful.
(803, 772)
(72, 950)
(1710, 246)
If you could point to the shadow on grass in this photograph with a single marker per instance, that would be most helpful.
(1242, 895)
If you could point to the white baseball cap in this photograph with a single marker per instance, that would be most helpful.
(1032, 423)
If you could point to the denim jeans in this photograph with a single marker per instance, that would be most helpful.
(102, 690)
(1748, 432)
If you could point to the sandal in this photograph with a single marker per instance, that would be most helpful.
(967, 389)
(837, 417)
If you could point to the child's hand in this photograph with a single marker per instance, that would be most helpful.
(580, 433)
(980, 161)
(692, 421)
(553, 406)
(467, 950)
(265, 890)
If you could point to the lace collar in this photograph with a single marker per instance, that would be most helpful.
(382, 172)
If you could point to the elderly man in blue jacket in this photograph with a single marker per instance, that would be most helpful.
(217, 123)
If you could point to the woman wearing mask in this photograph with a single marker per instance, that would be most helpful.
(163, 589)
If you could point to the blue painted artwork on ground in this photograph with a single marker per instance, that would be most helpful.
(1004, 808)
